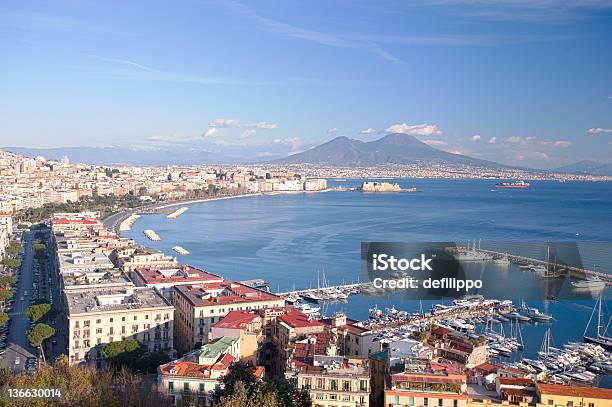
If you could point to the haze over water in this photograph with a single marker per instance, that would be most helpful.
(287, 239)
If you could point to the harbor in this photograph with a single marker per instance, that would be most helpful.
(548, 268)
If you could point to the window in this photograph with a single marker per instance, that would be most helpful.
(425, 401)
(111, 320)
(411, 401)
(319, 383)
(347, 386)
(440, 402)
(186, 386)
(395, 399)
(591, 404)
(135, 317)
(550, 402)
(98, 321)
(362, 385)
(201, 387)
(570, 404)
(334, 385)
(455, 403)
(123, 319)
(319, 396)
(170, 386)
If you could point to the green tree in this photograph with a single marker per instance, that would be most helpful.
(6, 295)
(7, 281)
(13, 249)
(239, 397)
(38, 334)
(124, 353)
(3, 318)
(37, 311)
(11, 263)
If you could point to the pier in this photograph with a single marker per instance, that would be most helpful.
(568, 271)
(342, 287)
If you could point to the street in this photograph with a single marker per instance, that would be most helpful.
(17, 343)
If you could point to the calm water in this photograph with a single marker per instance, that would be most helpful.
(289, 239)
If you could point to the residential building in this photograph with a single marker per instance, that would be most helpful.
(100, 316)
(199, 372)
(557, 395)
(199, 307)
(165, 277)
(247, 326)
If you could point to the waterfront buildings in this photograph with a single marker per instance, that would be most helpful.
(199, 307)
(432, 384)
(99, 316)
(131, 258)
(198, 373)
(163, 278)
(556, 395)
(247, 327)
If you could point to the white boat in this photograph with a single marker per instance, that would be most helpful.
(312, 296)
(307, 309)
(502, 261)
(591, 283)
(534, 313)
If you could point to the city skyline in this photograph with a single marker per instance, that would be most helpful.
(523, 83)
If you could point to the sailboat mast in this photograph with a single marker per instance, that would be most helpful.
(599, 318)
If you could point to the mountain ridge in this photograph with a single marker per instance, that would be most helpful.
(394, 148)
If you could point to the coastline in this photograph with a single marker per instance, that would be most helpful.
(114, 221)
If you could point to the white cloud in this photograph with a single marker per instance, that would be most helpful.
(172, 137)
(435, 142)
(332, 130)
(263, 154)
(518, 140)
(493, 140)
(211, 132)
(599, 130)
(264, 126)
(369, 130)
(248, 133)
(557, 143)
(415, 129)
(294, 142)
(475, 137)
(224, 123)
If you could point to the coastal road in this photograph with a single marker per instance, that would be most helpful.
(18, 347)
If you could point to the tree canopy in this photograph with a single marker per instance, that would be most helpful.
(3, 318)
(11, 263)
(39, 333)
(240, 388)
(37, 311)
(6, 295)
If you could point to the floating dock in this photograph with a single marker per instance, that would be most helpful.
(177, 213)
(151, 235)
(180, 250)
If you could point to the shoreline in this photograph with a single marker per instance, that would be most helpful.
(114, 221)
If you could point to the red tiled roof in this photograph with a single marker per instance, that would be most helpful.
(516, 381)
(297, 319)
(237, 319)
(575, 391)
(229, 293)
(153, 275)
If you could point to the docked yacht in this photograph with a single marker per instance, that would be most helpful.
(592, 283)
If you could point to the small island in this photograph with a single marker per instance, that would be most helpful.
(372, 186)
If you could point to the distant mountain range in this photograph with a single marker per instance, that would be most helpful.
(126, 156)
(587, 167)
(390, 149)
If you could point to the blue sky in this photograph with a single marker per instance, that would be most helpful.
(519, 81)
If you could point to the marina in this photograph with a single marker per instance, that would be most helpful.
(547, 268)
